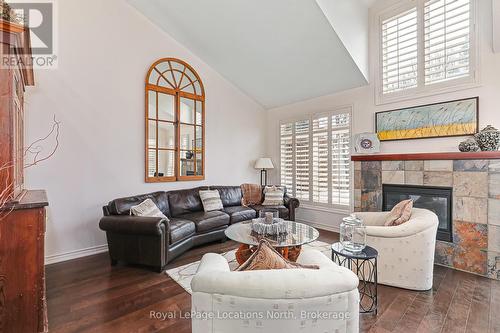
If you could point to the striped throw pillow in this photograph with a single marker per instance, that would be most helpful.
(147, 208)
(273, 196)
(211, 200)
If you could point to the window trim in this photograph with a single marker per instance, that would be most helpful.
(471, 81)
(308, 204)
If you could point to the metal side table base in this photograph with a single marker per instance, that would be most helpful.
(364, 264)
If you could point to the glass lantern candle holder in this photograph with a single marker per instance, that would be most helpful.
(353, 234)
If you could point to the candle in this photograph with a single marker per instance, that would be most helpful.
(269, 217)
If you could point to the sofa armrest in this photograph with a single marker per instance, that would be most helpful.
(275, 283)
(133, 225)
(291, 201)
(420, 221)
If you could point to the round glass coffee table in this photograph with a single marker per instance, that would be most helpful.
(289, 244)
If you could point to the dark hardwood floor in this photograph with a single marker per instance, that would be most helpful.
(88, 295)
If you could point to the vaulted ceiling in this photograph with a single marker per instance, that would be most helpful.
(276, 51)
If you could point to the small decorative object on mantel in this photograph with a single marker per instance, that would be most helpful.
(276, 228)
(488, 139)
(469, 145)
(366, 143)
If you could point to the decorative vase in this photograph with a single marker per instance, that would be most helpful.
(469, 145)
(353, 234)
(488, 139)
(277, 227)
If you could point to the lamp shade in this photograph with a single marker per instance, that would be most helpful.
(264, 163)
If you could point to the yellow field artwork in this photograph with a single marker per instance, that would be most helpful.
(429, 121)
(426, 132)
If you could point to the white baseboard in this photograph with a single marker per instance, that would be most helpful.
(54, 258)
(320, 225)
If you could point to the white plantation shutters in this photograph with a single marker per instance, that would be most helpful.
(447, 39)
(399, 52)
(430, 44)
(320, 160)
(302, 159)
(341, 159)
(315, 158)
(286, 155)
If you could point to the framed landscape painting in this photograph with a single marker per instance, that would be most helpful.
(453, 118)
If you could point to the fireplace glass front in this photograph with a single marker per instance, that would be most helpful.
(436, 199)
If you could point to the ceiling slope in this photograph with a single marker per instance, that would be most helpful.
(276, 51)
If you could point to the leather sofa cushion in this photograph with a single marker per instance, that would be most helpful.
(230, 195)
(185, 201)
(284, 214)
(181, 229)
(240, 213)
(122, 206)
(207, 221)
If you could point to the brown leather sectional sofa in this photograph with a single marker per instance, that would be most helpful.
(155, 242)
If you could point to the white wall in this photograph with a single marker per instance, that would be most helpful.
(350, 21)
(364, 108)
(496, 25)
(97, 93)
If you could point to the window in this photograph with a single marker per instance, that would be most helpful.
(315, 158)
(175, 114)
(427, 46)
(399, 50)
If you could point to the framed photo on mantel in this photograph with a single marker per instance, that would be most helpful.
(453, 118)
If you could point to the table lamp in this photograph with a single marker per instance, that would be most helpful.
(263, 164)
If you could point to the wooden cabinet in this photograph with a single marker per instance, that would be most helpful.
(22, 213)
(22, 271)
(14, 77)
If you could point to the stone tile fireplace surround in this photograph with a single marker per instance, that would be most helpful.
(475, 179)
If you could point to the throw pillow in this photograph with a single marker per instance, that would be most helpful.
(252, 194)
(273, 196)
(266, 257)
(400, 214)
(147, 208)
(211, 200)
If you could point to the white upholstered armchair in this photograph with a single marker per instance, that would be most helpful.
(406, 251)
(284, 300)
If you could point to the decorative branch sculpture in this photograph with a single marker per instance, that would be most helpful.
(31, 156)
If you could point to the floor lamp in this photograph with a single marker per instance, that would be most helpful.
(263, 164)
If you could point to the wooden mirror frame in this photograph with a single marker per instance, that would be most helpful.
(188, 87)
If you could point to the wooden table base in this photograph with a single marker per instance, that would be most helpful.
(245, 251)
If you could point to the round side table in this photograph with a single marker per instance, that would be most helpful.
(364, 264)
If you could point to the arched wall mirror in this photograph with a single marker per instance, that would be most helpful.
(175, 122)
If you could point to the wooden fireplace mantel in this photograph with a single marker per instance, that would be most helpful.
(482, 155)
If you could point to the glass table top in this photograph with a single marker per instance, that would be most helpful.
(297, 234)
(367, 253)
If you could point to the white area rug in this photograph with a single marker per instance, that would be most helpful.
(184, 274)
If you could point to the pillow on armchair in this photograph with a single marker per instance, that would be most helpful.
(400, 213)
